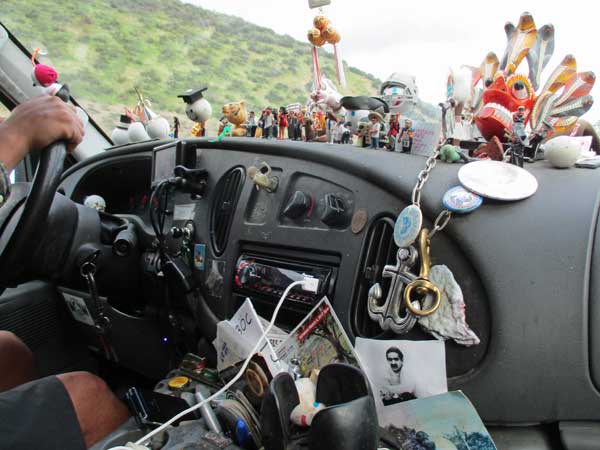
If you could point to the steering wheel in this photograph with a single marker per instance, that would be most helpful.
(23, 216)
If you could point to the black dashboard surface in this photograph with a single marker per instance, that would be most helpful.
(525, 268)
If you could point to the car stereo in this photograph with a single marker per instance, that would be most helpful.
(268, 277)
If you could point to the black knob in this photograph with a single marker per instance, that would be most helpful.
(334, 213)
(298, 204)
(247, 275)
(176, 232)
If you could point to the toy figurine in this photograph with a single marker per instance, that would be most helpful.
(120, 134)
(451, 154)
(490, 150)
(283, 123)
(406, 137)
(226, 131)
(236, 114)
(197, 109)
(46, 77)
(375, 128)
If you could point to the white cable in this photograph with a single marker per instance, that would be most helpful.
(309, 285)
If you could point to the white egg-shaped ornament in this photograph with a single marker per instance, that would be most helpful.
(562, 151)
(120, 135)
(158, 128)
(137, 132)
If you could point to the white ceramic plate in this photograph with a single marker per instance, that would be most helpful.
(497, 180)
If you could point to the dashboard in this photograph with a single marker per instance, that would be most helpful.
(527, 269)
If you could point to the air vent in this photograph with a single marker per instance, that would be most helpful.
(225, 200)
(379, 249)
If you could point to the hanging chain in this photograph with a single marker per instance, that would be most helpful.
(423, 176)
(445, 215)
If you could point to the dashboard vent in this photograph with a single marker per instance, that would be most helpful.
(227, 193)
(379, 249)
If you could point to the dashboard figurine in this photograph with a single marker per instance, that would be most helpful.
(120, 135)
(451, 154)
(197, 109)
(46, 77)
(406, 137)
(236, 114)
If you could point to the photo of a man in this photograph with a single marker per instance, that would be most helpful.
(399, 388)
(400, 371)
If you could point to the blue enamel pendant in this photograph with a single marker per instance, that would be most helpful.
(408, 225)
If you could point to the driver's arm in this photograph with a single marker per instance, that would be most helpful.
(35, 124)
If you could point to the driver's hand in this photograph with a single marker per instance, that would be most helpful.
(35, 124)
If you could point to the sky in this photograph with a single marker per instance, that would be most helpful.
(425, 38)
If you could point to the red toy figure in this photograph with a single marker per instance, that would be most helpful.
(394, 131)
(45, 76)
(283, 123)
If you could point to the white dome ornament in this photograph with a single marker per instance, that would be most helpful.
(158, 127)
(137, 132)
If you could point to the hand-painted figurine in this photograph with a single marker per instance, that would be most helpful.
(283, 123)
(46, 77)
(406, 137)
(451, 154)
(236, 114)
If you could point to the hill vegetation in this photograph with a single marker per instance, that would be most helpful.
(105, 48)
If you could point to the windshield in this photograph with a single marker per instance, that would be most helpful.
(136, 58)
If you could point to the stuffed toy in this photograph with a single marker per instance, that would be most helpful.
(237, 115)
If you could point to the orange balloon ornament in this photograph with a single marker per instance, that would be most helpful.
(321, 22)
(331, 35)
(315, 37)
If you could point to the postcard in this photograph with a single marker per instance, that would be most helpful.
(446, 421)
(317, 341)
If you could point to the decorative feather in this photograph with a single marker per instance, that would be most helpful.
(522, 40)
(576, 107)
(578, 85)
(558, 78)
(489, 67)
(562, 125)
(539, 55)
(509, 29)
(541, 110)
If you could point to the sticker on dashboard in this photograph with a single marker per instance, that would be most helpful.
(184, 212)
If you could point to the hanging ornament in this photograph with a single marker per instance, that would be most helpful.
(323, 33)
(321, 22)
(315, 37)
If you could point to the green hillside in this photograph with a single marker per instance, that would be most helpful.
(103, 48)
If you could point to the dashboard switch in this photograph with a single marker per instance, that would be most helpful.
(334, 212)
(298, 205)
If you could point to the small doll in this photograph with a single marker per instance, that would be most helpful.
(283, 123)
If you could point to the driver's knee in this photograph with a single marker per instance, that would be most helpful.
(16, 361)
(98, 410)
